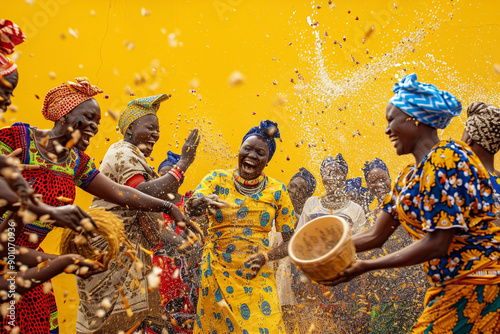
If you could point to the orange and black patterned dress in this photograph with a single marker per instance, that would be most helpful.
(36, 312)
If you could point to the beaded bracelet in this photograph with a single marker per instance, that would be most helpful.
(179, 170)
(167, 207)
(177, 176)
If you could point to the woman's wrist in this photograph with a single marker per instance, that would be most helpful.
(266, 256)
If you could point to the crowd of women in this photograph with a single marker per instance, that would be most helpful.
(221, 250)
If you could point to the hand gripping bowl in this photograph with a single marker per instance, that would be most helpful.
(323, 247)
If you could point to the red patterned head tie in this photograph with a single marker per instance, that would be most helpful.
(60, 100)
(10, 36)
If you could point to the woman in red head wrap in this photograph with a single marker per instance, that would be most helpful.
(63, 164)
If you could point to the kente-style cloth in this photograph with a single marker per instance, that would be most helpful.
(450, 189)
(310, 179)
(171, 160)
(36, 312)
(483, 125)
(123, 161)
(60, 100)
(231, 302)
(425, 102)
(10, 36)
(267, 130)
(375, 163)
(138, 108)
(338, 160)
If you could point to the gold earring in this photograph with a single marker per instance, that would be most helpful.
(409, 119)
(417, 123)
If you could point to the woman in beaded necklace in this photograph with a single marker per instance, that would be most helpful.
(238, 292)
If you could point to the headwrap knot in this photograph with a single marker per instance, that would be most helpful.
(171, 160)
(338, 160)
(483, 125)
(268, 130)
(139, 108)
(60, 100)
(425, 102)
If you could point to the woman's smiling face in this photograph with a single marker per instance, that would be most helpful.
(252, 157)
(403, 133)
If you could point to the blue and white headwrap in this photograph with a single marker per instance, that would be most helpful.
(375, 163)
(267, 130)
(310, 179)
(338, 160)
(425, 102)
(171, 160)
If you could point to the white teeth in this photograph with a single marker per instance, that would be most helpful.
(393, 138)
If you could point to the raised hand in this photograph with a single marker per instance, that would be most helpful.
(190, 146)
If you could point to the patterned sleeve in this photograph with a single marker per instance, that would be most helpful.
(454, 191)
(10, 139)
(390, 200)
(86, 171)
(285, 215)
(209, 185)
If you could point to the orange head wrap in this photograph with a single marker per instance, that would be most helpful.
(60, 100)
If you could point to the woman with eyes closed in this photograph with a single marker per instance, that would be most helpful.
(63, 165)
(445, 202)
(238, 291)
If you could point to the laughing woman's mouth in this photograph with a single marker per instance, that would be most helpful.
(393, 139)
(85, 138)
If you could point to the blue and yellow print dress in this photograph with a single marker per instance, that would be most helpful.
(450, 189)
(229, 301)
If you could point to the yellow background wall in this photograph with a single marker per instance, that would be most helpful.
(327, 94)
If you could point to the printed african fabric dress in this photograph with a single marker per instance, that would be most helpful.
(451, 189)
(123, 161)
(37, 311)
(231, 302)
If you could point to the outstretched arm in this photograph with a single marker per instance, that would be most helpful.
(376, 236)
(435, 244)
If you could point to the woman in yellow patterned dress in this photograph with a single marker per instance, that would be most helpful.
(238, 291)
(445, 202)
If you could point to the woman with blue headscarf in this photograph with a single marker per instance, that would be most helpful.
(238, 291)
(445, 202)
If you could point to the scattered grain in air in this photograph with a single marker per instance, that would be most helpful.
(100, 313)
(33, 238)
(176, 273)
(235, 78)
(73, 32)
(145, 12)
(106, 303)
(64, 199)
(154, 278)
(47, 287)
(71, 268)
(496, 68)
